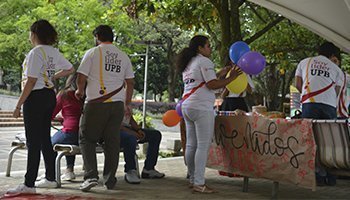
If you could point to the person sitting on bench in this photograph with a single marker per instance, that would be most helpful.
(130, 135)
(70, 108)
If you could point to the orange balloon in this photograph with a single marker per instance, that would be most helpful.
(171, 118)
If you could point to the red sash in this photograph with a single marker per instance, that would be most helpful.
(312, 94)
(192, 91)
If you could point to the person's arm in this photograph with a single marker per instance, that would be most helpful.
(24, 95)
(224, 93)
(63, 73)
(81, 82)
(128, 95)
(298, 83)
(249, 89)
(139, 132)
(216, 83)
(58, 107)
(129, 90)
(222, 73)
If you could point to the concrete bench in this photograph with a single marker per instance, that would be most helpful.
(62, 150)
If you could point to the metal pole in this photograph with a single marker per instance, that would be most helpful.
(145, 89)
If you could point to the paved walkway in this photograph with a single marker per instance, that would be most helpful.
(173, 186)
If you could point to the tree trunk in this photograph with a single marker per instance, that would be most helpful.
(230, 25)
(171, 70)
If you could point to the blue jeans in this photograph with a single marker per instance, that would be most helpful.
(129, 142)
(61, 137)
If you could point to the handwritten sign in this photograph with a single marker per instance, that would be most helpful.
(254, 146)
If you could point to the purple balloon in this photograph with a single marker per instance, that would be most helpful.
(237, 50)
(178, 108)
(252, 63)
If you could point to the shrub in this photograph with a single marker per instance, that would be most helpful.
(154, 107)
(139, 119)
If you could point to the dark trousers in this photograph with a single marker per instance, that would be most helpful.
(101, 121)
(61, 137)
(37, 112)
(129, 142)
(233, 103)
(320, 111)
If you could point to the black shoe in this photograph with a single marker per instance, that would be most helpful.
(331, 180)
(153, 174)
(321, 181)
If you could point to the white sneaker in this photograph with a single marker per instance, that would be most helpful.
(68, 176)
(44, 183)
(132, 177)
(20, 189)
(42, 176)
(151, 173)
(88, 184)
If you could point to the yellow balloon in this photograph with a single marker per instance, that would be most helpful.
(238, 85)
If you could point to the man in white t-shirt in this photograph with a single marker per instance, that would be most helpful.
(107, 73)
(319, 80)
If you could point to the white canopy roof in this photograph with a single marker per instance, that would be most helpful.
(328, 18)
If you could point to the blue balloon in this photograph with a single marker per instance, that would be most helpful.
(237, 50)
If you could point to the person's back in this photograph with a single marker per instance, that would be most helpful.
(114, 64)
(104, 71)
(70, 108)
(319, 73)
(319, 79)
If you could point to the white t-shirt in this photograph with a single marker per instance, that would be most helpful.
(42, 62)
(244, 93)
(116, 67)
(200, 69)
(322, 72)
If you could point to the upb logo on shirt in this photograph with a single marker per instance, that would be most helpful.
(319, 68)
(112, 63)
(50, 67)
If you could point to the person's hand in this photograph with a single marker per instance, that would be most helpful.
(222, 73)
(16, 113)
(235, 72)
(79, 94)
(140, 135)
(58, 119)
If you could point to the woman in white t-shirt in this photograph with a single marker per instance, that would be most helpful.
(200, 81)
(40, 69)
